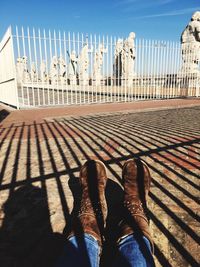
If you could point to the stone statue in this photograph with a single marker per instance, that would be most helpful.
(83, 61)
(33, 72)
(23, 75)
(128, 58)
(118, 61)
(26, 72)
(98, 62)
(72, 71)
(54, 70)
(43, 71)
(63, 71)
(190, 40)
(20, 70)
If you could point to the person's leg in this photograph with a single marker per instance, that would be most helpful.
(84, 241)
(135, 243)
(80, 252)
(134, 251)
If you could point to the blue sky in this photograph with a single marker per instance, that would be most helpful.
(149, 19)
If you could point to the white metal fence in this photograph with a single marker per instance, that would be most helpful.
(45, 68)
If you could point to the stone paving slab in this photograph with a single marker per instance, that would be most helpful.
(40, 160)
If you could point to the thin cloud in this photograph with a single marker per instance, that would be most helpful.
(172, 13)
(146, 4)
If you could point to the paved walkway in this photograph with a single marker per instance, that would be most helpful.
(38, 115)
(41, 154)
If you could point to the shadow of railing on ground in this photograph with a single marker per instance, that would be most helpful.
(45, 158)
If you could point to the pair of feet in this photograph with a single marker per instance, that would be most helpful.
(92, 214)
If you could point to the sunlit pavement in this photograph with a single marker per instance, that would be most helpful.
(40, 158)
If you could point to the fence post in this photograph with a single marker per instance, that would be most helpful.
(14, 66)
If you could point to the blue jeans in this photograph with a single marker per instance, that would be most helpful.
(134, 251)
(85, 252)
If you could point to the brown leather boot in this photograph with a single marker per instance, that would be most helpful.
(136, 180)
(92, 213)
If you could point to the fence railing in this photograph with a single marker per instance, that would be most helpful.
(54, 68)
